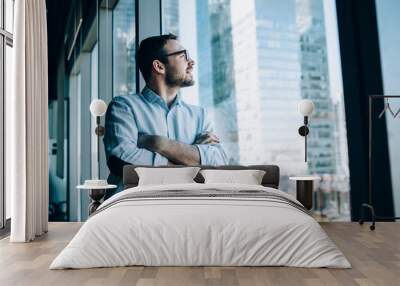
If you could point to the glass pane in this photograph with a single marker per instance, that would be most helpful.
(8, 90)
(1, 15)
(9, 15)
(255, 61)
(170, 17)
(3, 138)
(124, 47)
(95, 95)
(389, 42)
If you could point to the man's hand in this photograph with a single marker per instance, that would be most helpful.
(207, 138)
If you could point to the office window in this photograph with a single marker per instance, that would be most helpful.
(2, 137)
(389, 43)
(254, 61)
(94, 73)
(9, 15)
(8, 90)
(6, 66)
(124, 47)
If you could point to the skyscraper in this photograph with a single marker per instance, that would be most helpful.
(216, 75)
(267, 83)
(171, 16)
(124, 46)
(315, 86)
(256, 60)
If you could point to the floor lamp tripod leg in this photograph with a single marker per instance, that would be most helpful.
(373, 217)
(361, 221)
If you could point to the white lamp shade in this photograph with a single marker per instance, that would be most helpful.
(306, 107)
(98, 107)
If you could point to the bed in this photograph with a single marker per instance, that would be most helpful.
(198, 224)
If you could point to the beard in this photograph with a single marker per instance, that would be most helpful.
(174, 79)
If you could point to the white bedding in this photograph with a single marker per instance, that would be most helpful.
(182, 231)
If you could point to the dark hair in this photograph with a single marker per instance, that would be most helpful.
(149, 50)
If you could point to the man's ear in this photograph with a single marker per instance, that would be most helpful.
(158, 67)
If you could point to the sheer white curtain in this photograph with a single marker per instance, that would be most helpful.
(26, 123)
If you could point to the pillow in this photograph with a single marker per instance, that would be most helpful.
(165, 176)
(249, 177)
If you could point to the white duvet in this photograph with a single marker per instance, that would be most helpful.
(183, 231)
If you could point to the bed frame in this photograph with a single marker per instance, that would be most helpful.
(270, 179)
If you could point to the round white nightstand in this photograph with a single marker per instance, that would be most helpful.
(96, 193)
(304, 189)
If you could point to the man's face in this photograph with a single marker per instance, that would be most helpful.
(178, 67)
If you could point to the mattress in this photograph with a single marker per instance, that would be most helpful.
(201, 225)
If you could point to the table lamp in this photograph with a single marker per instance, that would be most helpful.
(98, 108)
(306, 108)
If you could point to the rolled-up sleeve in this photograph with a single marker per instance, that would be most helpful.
(120, 139)
(210, 154)
(213, 155)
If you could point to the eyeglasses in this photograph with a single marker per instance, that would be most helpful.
(187, 57)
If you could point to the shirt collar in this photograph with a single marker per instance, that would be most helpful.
(152, 96)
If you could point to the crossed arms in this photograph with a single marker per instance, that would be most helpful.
(177, 152)
(124, 144)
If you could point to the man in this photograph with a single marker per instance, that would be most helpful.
(156, 127)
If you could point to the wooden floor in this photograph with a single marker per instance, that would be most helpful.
(374, 255)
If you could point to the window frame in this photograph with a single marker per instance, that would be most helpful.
(6, 39)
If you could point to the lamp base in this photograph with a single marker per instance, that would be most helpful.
(303, 130)
(100, 130)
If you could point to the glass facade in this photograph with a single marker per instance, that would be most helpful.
(9, 15)
(255, 61)
(171, 12)
(124, 48)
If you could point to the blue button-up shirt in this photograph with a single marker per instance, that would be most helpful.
(129, 115)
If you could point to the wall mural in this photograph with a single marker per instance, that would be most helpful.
(245, 65)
